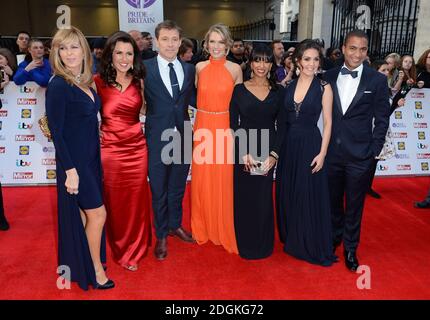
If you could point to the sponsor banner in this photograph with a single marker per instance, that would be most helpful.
(142, 15)
(26, 156)
(409, 128)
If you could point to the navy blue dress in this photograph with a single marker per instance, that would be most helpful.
(302, 197)
(72, 118)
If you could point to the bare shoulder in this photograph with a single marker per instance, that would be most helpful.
(201, 65)
(234, 67)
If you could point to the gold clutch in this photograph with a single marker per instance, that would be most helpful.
(43, 125)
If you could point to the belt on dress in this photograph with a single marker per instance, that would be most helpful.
(212, 112)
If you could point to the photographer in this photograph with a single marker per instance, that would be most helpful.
(35, 67)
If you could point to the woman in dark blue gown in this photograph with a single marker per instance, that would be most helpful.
(301, 184)
(72, 107)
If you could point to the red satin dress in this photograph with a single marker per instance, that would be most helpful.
(124, 155)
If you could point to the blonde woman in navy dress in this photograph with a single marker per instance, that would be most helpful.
(71, 107)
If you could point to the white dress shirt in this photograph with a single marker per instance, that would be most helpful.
(163, 66)
(347, 87)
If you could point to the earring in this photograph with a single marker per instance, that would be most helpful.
(268, 75)
(252, 74)
(132, 67)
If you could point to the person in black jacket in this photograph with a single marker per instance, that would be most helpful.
(4, 225)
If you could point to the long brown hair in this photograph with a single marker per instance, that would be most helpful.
(422, 61)
(108, 72)
(412, 73)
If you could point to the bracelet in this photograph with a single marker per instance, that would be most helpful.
(274, 155)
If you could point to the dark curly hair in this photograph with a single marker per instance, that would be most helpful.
(106, 69)
(306, 45)
(265, 53)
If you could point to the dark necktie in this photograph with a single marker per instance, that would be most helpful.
(345, 71)
(174, 82)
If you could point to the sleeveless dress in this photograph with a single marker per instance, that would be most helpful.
(212, 166)
(124, 157)
(302, 197)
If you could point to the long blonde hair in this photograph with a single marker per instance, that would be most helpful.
(66, 36)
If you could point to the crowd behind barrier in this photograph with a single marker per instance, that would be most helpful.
(27, 157)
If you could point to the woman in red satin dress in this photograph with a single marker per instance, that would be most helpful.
(124, 151)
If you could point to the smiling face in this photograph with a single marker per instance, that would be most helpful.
(355, 52)
(168, 43)
(217, 45)
(122, 57)
(261, 66)
(72, 56)
(310, 62)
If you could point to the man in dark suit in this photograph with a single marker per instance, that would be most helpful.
(360, 96)
(169, 88)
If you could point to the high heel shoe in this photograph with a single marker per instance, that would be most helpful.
(108, 285)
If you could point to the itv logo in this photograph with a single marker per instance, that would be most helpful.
(25, 89)
(24, 126)
(22, 163)
(418, 115)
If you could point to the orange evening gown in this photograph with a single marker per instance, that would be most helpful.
(212, 176)
(124, 157)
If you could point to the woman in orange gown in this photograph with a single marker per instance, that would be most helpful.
(124, 151)
(212, 168)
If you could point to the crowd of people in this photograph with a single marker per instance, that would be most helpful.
(276, 96)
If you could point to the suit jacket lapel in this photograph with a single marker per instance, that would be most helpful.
(336, 92)
(156, 72)
(360, 90)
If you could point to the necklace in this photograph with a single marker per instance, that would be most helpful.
(78, 78)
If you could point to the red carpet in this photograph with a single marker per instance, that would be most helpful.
(395, 244)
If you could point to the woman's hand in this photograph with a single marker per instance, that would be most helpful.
(317, 163)
(401, 102)
(5, 80)
(72, 181)
(33, 65)
(249, 162)
(268, 163)
(8, 70)
(410, 82)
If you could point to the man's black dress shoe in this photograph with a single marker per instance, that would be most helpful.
(373, 194)
(108, 285)
(182, 234)
(422, 204)
(351, 261)
(160, 250)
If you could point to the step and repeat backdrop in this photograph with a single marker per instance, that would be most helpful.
(28, 158)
